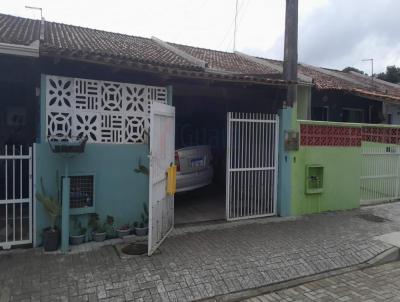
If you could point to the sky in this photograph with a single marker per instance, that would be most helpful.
(332, 33)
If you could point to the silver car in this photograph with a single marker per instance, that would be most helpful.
(194, 169)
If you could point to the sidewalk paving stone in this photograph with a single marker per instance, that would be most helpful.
(200, 262)
(380, 283)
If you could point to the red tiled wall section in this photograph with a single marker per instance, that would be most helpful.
(318, 135)
(381, 135)
(321, 135)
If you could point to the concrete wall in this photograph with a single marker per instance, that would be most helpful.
(341, 189)
(119, 190)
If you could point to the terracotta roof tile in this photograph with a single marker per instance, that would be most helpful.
(226, 61)
(95, 45)
(16, 30)
(72, 39)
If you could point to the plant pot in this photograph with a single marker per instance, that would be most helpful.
(51, 239)
(123, 232)
(98, 237)
(77, 239)
(141, 231)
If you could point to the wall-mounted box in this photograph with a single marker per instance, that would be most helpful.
(314, 179)
(292, 140)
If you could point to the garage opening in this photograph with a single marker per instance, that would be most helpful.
(201, 149)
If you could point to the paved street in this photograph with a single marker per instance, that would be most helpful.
(381, 283)
(200, 262)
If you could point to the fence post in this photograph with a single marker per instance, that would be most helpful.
(65, 212)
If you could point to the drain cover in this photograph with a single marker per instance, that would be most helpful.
(135, 249)
(372, 217)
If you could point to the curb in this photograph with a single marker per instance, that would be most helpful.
(390, 255)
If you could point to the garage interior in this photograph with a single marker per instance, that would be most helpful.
(201, 119)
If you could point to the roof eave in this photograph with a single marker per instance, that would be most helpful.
(31, 50)
(173, 72)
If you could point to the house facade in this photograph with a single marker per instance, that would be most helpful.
(63, 83)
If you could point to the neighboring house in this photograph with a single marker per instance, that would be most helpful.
(62, 82)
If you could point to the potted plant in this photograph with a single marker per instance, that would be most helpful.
(78, 234)
(123, 230)
(141, 228)
(98, 230)
(51, 234)
(109, 227)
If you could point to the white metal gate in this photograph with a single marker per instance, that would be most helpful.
(380, 174)
(15, 196)
(252, 165)
(162, 151)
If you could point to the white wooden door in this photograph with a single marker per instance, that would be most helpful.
(162, 151)
(252, 165)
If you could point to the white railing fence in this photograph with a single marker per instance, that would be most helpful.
(380, 177)
(15, 196)
(252, 165)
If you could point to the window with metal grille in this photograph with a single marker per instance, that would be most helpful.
(81, 192)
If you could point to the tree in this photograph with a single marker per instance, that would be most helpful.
(348, 69)
(392, 74)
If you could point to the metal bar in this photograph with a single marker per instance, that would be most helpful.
(10, 156)
(11, 201)
(253, 169)
(242, 187)
(253, 120)
(228, 164)
(30, 193)
(20, 193)
(13, 180)
(6, 183)
(276, 140)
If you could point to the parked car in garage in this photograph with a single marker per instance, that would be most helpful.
(194, 167)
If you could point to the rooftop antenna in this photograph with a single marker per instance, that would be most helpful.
(36, 8)
(372, 66)
(234, 31)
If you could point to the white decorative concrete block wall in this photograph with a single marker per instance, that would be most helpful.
(102, 111)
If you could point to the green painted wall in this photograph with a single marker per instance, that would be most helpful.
(342, 167)
(119, 191)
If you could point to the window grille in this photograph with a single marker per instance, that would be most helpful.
(81, 193)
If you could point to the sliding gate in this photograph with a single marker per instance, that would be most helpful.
(252, 165)
(15, 196)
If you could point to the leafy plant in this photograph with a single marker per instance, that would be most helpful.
(141, 168)
(78, 230)
(109, 227)
(124, 227)
(50, 204)
(95, 224)
(144, 218)
(98, 227)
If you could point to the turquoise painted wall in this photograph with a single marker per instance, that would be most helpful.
(341, 189)
(288, 121)
(119, 190)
